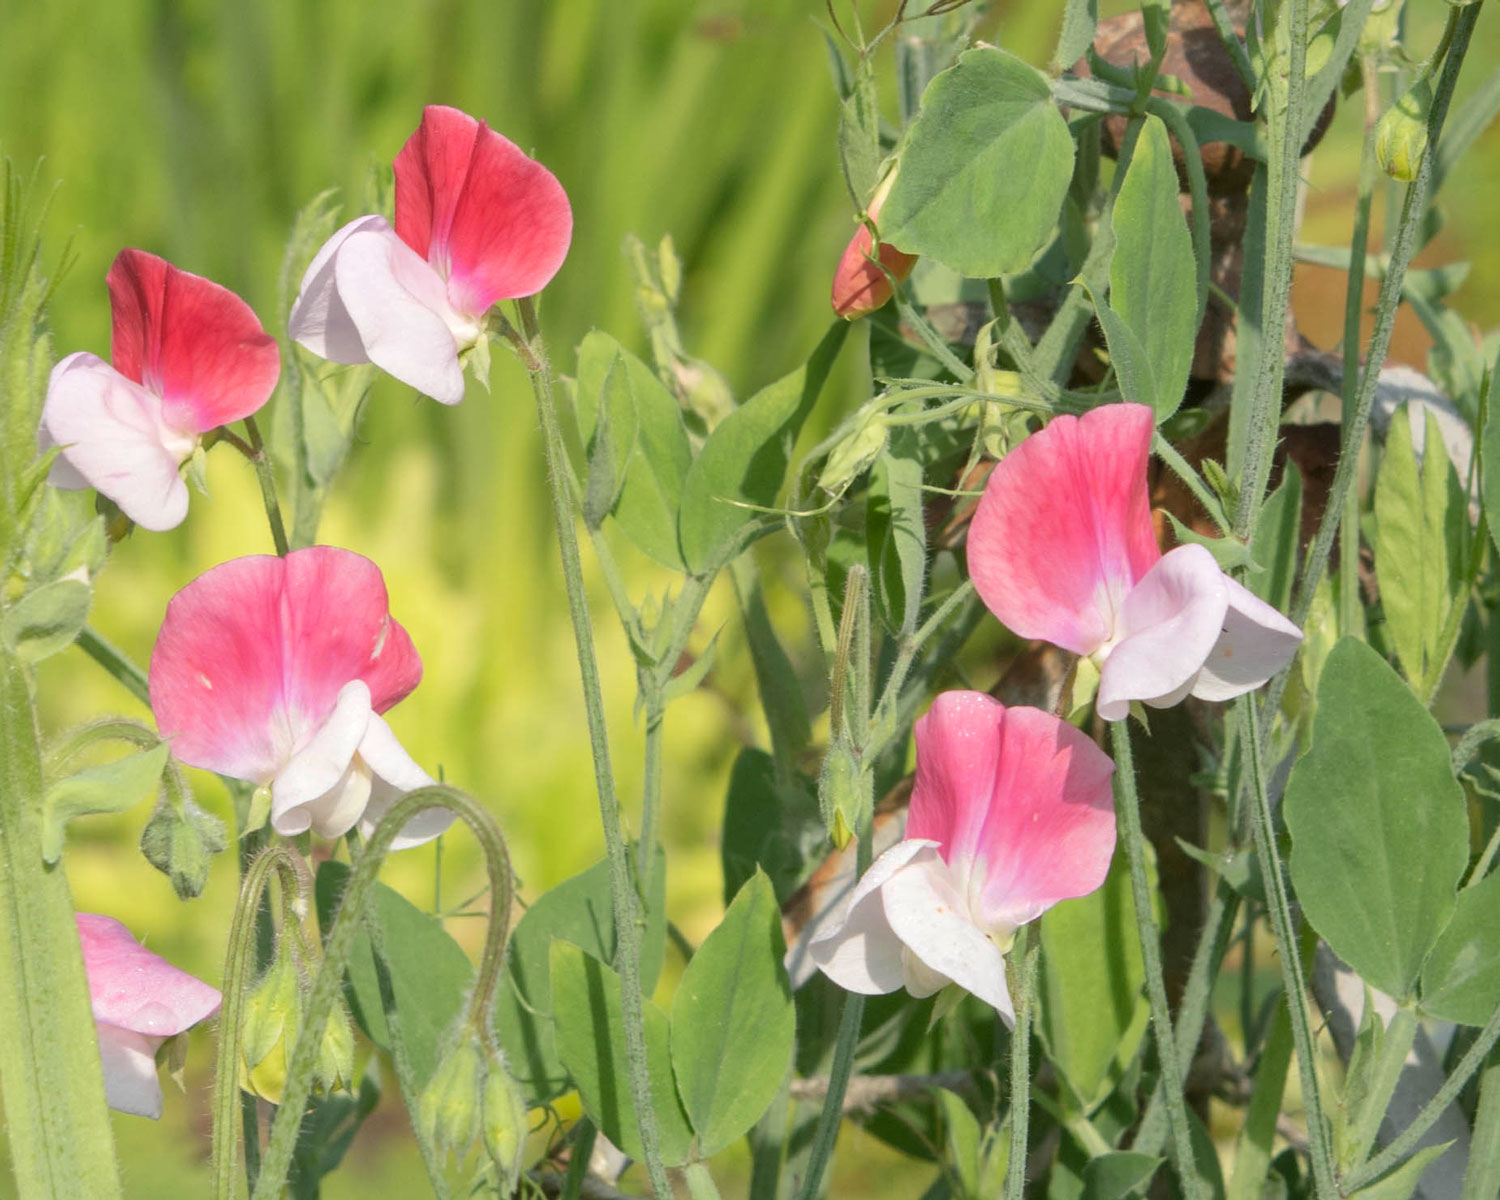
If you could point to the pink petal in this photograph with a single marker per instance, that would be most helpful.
(129, 1063)
(114, 439)
(136, 990)
(930, 915)
(322, 787)
(1256, 642)
(1019, 801)
(192, 342)
(859, 286)
(1063, 530)
(862, 953)
(1168, 626)
(253, 654)
(394, 774)
(399, 309)
(495, 223)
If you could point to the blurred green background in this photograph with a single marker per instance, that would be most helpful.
(197, 128)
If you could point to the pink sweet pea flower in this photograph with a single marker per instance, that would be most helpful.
(274, 670)
(189, 356)
(859, 286)
(1062, 549)
(476, 221)
(1011, 812)
(139, 1000)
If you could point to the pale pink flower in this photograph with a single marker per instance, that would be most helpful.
(476, 221)
(188, 356)
(139, 1001)
(1062, 549)
(275, 670)
(859, 285)
(1011, 812)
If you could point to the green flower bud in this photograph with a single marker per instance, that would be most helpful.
(1401, 136)
(268, 1036)
(504, 1125)
(840, 793)
(449, 1106)
(853, 456)
(335, 1065)
(179, 841)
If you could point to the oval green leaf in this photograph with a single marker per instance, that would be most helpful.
(1380, 833)
(1461, 978)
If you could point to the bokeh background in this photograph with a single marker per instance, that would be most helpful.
(198, 128)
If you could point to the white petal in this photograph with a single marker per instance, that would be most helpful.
(319, 319)
(129, 1062)
(925, 909)
(1168, 626)
(395, 774)
(862, 953)
(322, 782)
(398, 305)
(1257, 641)
(113, 438)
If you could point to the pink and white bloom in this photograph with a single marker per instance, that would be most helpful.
(188, 356)
(476, 221)
(1062, 549)
(1011, 812)
(140, 1000)
(275, 670)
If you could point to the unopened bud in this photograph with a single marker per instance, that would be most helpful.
(839, 792)
(268, 1035)
(859, 285)
(335, 1065)
(503, 1122)
(179, 840)
(1401, 136)
(449, 1106)
(853, 456)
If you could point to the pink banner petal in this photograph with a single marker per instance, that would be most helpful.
(133, 989)
(1063, 530)
(192, 342)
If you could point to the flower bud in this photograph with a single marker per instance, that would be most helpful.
(179, 841)
(449, 1106)
(268, 1036)
(1401, 136)
(840, 793)
(859, 286)
(503, 1123)
(852, 456)
(335, 1065)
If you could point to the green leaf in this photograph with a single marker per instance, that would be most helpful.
(1277, 541)
(1461, 978)
(733, 1024)
(430, 973)
(1380, 831)
(897, 533)
(1401, 1183)
(985, 168)
(1092, 1012)
(769, 825)
(745, 458)
(639, 452)
(1117, 1175)
(1152, 276)
(46, 620)
(1080, 18)
(578, 910)
(591, 1043)
(106, 788)
(1421, 534)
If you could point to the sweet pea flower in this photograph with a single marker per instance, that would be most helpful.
(139, 1000)
(188, 356)
(859, 286)
(476, 221)
(1062, 549)
(1010, 813)
(275, 670)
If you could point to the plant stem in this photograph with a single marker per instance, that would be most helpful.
(700, 1183)
(255, 451)
(582, 1150)
(623, 893)
(1127, 804)
(1406, 1141)
(830, 1118)
(1282, 926)
(1265, 405)
(115, 661)
(1023, 952)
